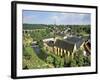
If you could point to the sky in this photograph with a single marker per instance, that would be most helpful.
(58, 18)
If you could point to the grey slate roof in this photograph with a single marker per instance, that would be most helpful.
(64, 45)
(75, 40)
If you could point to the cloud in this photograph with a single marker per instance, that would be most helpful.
(55, 17)
(73, 18)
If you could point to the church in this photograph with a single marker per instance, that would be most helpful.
(64, 47)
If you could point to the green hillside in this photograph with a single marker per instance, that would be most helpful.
(31, 60)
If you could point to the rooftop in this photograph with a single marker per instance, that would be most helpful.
(64, 45)
(75, 40)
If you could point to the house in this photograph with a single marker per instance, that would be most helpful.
(64, 47)
(83, 43)
(87, 48)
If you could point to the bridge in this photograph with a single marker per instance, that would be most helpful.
(27, 31)
(31, 30)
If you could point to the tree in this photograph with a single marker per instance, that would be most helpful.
(40, 43)
(79, 58)
(62, 62)
(50, 60)
(56, 62)
(87, 61)
(27, 40)
(73, 63)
